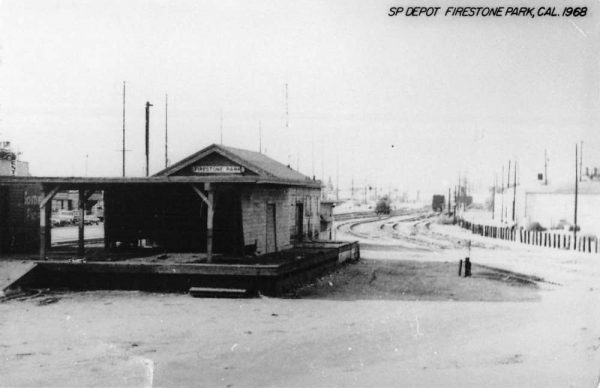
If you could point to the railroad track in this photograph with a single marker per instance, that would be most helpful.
(405, 226)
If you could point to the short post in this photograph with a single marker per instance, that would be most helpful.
(460, 268)
(467, 267)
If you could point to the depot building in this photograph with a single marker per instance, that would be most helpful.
(219, 200)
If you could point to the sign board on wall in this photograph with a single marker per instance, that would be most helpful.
(218, 169)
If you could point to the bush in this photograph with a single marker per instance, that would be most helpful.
(535, 226)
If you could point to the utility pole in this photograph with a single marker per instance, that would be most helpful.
(545, 168)
(507, 187)
(502, 197)
(259, 138)
(456, 193)
(221, 127)
(287, 126)
(148, 105)
(312, 156)
(166, 131)
(449, 208)
(494, 196)
(576, 194)
(337, 176)
(455, 200)
(514, 192)
(123, 128)
(580, 161)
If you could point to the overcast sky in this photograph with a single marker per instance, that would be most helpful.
(405, 102)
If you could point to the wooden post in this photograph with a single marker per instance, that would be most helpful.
(45, 205)
(105, 224)
(48, 241)
(81, 247)
(210, 204)
(209, 222)
(42, 232)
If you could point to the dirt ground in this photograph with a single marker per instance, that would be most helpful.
(398, 318)
(420, 281)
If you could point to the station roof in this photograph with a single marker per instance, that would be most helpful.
(213, 164)
(256, 162)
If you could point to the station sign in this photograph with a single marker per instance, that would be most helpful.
(218, 169)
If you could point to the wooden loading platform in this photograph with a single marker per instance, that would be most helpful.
(271, 274)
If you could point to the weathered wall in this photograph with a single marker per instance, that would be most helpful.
(311, 222)
(20, 218)
(254, 210)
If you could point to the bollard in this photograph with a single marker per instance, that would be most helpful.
(467, 267)
(459, 268)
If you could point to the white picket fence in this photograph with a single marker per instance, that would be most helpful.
(550, 239)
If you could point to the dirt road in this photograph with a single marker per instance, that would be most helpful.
(444, 331)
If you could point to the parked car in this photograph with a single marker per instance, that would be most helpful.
(62, 217)
(91, 219)
(88, 219)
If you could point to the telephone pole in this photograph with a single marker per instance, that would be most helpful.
(166, 131)
(576, 194)
(494, 196)
(221, 127)
(259, 138)
(337, 176)
(502, 196)
(148, 105)
(514, 192)
(507, 187)
(123, 128)
(580, 161)
(545, 168)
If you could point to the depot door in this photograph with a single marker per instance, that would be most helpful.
(299, 221)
